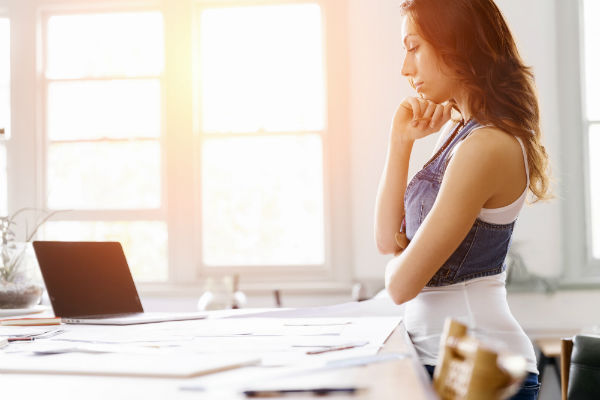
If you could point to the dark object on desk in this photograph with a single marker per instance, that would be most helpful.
(90, 283)
(581, 368)
(294, 392)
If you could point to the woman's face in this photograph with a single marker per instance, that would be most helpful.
(430, 76)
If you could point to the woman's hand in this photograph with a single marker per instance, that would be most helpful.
(416, 118)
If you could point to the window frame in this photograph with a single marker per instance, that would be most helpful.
(579, 266)
(179, 150)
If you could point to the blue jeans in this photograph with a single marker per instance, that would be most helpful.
(529, 389)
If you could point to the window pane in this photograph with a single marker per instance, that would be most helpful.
(4, 78)
(101, 45)
(4, 111)
(264, 66)
(3, 181)
(591, 17)
(104, 109)
(595, 187)
(104, 175)
(4, 108)
(263, 201)
(144, 242)
(4, 52)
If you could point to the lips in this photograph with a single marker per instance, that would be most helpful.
(418, 85)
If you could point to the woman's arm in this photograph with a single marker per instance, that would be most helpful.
(414, 119)
(473, 176)
(389, 205)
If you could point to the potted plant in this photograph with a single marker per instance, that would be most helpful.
(18, 286)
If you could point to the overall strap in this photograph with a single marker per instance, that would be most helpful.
(440, 161)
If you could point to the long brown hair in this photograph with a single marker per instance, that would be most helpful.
(473, 39)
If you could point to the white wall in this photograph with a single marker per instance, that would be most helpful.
(377, 87)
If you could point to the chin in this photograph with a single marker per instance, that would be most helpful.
(427, 96)
(437, 99)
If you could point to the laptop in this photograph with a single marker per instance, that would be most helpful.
(90, 283)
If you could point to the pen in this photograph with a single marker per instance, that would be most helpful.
(336, 348)
(21, 339)
(30, 338)
(314, 391)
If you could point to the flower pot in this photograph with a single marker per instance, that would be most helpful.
(20, 295)
(22, 287)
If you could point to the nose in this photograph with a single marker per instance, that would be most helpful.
(407, 68)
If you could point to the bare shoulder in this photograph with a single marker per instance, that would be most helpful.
(500, 164)
(491, 145)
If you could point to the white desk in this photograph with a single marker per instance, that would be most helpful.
(403, 378)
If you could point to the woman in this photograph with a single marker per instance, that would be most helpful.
(450, 228)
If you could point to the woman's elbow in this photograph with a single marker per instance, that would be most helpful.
(386, 246)
(400, 295)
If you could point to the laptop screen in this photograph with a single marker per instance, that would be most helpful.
(87, 278)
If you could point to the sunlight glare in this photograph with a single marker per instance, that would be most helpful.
(81, 110)
(104, 175)
(263, 200)
(262, 69)
(101, 45)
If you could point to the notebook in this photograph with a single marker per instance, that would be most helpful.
(90, 283)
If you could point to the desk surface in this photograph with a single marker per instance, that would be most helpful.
(403, 378)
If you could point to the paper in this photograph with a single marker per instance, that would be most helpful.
(281, 338)
(222, 328)
(12, 331)
(159, 366)
(377, 307)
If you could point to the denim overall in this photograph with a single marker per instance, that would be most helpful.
(483, 250)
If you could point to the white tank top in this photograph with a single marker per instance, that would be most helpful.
(480, 303)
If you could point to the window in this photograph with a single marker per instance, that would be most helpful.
(263, 121)
(4, 108)
(591, 63)
(207, 137)
(103, 133)
(579, 95)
